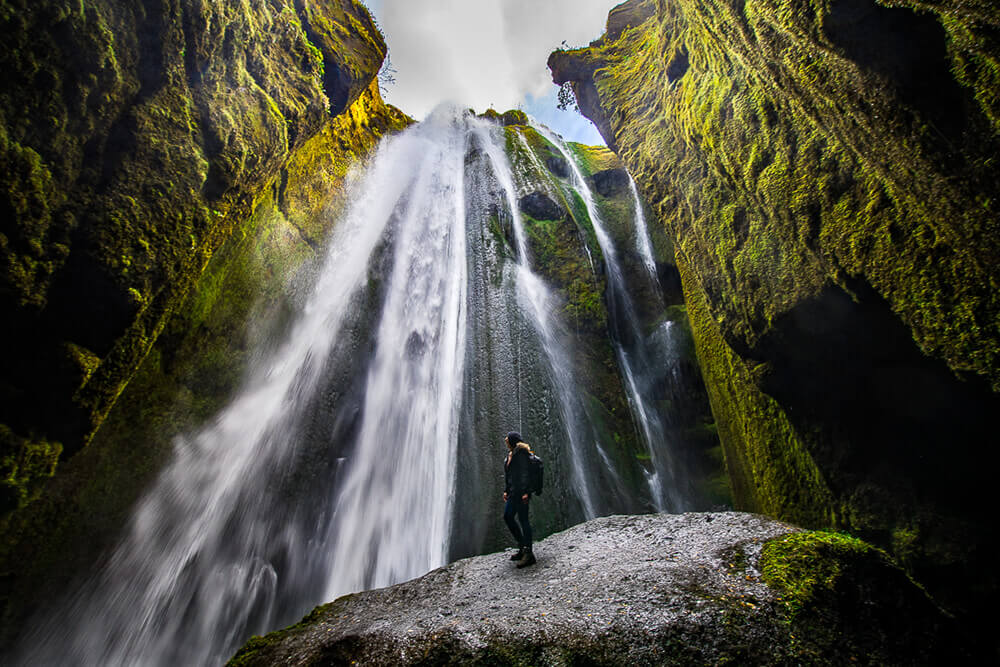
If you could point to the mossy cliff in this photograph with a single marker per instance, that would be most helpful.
(134, 141)
(235, 266)
(826, 172)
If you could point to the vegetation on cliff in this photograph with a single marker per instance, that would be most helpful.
(134, 142)
(827, 175)
(566, 253)
(241, 260)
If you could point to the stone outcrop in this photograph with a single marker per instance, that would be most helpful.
(826, 174)
(135, 140)
(610, 182)
(639, 590)
(540, 206)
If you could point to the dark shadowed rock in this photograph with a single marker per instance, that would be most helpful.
(637, 590)
(557, 166)
(611, 182)
(540, 206)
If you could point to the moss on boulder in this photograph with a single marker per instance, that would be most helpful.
(721, 588)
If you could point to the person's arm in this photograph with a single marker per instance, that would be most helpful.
(506, 478)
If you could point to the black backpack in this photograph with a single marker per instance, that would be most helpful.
(535, 474)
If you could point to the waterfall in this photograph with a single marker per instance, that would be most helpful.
(213, 552)
(536, 300)
(631, 346)
(365, 441)
(642, 235)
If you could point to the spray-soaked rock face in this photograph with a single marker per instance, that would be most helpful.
(611, 182)
(540, 206)
(645, 590)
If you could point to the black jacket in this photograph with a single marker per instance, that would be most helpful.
(517, 475)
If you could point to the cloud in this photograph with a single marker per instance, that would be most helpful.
(479, 53)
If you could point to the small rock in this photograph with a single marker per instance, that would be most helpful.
(540, 206)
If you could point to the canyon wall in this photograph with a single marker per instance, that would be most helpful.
(826, 173)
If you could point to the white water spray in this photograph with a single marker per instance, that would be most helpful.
(642, 235)
(212, 553)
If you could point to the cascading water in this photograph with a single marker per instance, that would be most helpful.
(642, 235)
(213, 552)
(418, 343)
(630, 344)
(536, 300)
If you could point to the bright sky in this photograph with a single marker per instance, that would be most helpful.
(487, 53)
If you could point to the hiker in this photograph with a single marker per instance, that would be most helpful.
(517, 485)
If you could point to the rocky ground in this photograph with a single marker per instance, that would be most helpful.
(641, 590)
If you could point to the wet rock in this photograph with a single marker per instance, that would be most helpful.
(807, 370)
(557, 166)
(611, 182)
(640, 590)
(540, 206)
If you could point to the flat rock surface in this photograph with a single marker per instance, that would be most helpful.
(649, 589)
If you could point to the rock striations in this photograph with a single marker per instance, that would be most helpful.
(639, 590)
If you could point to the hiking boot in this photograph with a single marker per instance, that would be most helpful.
(518, 555)
(528, 559)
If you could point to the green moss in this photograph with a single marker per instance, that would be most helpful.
(191, 369)
(25, 466)
(514, 117)
(783, 153)
(202, 116)
(593, 159)
(769, 466)
(789, 159)
(491, 114)
(807, 566)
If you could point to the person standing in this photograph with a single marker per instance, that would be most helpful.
(517, 485)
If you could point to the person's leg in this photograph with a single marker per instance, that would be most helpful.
(509, 510)
(522, 517)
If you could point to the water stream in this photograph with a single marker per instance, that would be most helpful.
(631, 345)
(337, 465)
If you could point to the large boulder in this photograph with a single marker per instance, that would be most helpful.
(638, 590)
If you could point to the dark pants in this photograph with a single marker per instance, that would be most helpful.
(517, 507)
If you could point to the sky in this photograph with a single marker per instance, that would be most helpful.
(487, 53)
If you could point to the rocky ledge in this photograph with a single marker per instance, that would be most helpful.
(639, 590)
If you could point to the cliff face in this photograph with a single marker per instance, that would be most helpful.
(825, 172)
(681, 589)
(134, 141)
(298, 118)
(563, 250)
